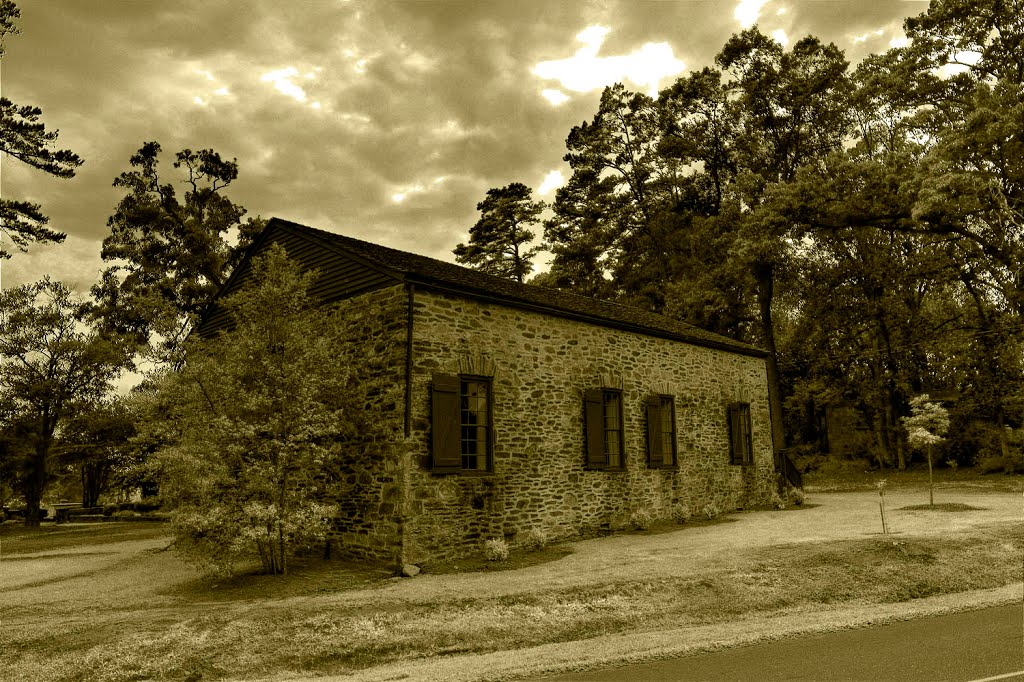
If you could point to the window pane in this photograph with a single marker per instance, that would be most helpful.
(668, 435)
(611, 410)
(613, 428)
(475, 431)
(611, 442)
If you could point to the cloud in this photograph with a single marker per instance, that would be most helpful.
(283, 82)
(408, 92)
(550, 183)
(869, 35)
(556, 97)
(586, 71)
(748, 11)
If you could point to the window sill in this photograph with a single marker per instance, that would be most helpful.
(461, 472)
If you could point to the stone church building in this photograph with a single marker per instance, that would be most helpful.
(513, 406)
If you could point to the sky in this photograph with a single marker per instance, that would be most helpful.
(384, 121)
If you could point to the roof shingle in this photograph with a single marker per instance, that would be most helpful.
(405, 266)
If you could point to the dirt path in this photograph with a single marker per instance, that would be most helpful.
(826, 516)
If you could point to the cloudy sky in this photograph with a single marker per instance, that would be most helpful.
(386, 121)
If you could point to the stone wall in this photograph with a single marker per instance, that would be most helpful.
(541, 365)
(369, 485)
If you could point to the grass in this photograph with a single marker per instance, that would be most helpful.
(944, 506)
(857, 475)
(155, 619)
(16, 539)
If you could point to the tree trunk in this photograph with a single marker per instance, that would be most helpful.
(931, 482)
(94, 475)
(35, 482)
(1004, 440)
(882, 438)
(765, 293)
(884, 433)
(898, 441)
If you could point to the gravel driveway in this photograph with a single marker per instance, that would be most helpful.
(825, 516)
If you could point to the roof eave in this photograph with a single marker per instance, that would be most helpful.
(491, 297)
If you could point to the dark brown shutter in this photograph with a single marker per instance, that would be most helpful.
(748, 441)
(655, 456)
(735, 435)
(593, 400)
(444, 423)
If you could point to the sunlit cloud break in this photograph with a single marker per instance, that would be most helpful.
(283, 83)
(555, 96)
(551, 182)
(586, 71)
(748, 11)
(417, 188)
(864, 37)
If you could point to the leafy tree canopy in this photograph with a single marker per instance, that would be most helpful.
(52, 364)
(169, 253)
(23, 136)
(95, 442)
(499, 241)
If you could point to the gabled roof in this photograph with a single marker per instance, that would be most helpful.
(380, 266)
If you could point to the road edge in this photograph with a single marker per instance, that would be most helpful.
(609, 651)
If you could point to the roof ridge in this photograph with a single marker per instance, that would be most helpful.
(453, 274)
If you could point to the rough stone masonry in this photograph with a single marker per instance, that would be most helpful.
(395, 509)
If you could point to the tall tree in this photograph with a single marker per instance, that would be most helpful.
(51, 365)
(170, 254)
(499, 241)
(23, 136)
(606, 234)
(655, 183)
(793, 112)
(936, 167)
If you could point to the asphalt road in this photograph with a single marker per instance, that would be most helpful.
(984, 645)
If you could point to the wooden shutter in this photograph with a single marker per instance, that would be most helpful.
(655, 456)
(748, 441)
(444, 423)
(735, 435)
(593, 400)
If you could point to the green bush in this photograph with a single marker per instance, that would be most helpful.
(496, 550)
(806, 457)
(534, 539)
(1000, 465)
(641, 519)
(970, 441)
(681, 512)
(711, 511)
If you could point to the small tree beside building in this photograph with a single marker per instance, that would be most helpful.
(255, 424)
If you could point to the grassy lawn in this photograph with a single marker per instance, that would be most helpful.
(137, 612)
(854, 475)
